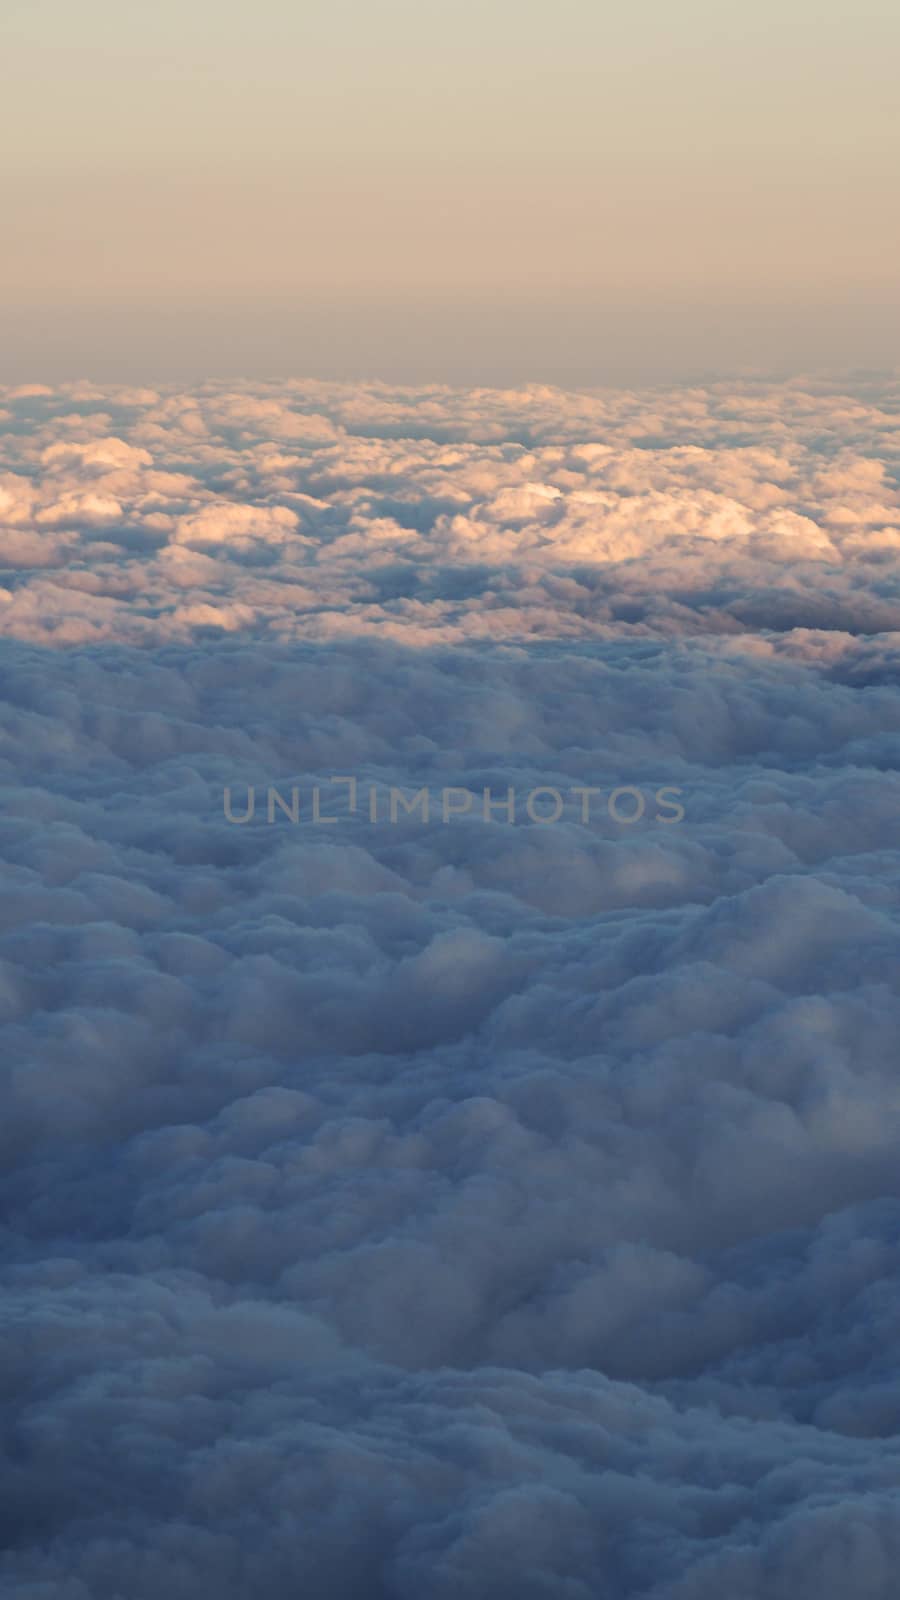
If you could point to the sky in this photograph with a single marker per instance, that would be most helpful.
(471, 1173)
(583, 193)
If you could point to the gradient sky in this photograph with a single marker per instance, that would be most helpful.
(578, 192)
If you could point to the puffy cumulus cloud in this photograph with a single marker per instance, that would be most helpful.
(227, 523)
(474, 1208)
(452, 516)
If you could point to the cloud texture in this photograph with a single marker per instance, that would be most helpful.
(478, 1210)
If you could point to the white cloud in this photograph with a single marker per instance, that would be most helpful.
(471, 1209)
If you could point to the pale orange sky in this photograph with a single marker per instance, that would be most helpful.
(479, 192)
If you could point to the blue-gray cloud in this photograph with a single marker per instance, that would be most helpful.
(470, 1210)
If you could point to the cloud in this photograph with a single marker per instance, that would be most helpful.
(474, 1208)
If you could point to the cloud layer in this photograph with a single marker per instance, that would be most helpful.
(450, 1210)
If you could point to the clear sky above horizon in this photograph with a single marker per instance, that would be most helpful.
(578, 192)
